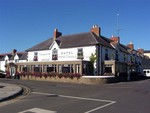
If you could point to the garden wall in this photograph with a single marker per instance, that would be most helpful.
(81, 80)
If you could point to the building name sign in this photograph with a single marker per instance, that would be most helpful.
(44, 54)
(67, 54)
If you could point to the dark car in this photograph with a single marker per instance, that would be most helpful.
(2, 74)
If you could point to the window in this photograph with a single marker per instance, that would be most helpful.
(25, 69)
(51, 68)
(16, 60)
(35, 56)
(117, 55)
(67, 68)
(106, 54)
(112, 56)
(80, 53)
(54, 54)
(125, 58)
(132, 59)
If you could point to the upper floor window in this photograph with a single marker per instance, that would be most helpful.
(54, 54)
(80, 53)
(132, 59)
(16, 60)
(35, 56)
(125, 57)
(6, 61)
(106, 54)
(112, 55)
(117, 55)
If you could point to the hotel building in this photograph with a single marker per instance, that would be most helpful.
(87, 53)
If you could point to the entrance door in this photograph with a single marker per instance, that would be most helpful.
(12, 71)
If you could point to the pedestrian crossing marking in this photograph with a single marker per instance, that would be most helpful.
(37, 110)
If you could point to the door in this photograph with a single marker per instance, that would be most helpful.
(12, 71)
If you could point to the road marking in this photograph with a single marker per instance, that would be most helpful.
(92, 110)
(37, 110)
(109, 102)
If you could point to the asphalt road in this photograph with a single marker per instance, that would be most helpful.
(50, 97)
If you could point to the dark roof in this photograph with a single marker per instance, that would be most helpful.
(42, 46)
(146, 63)
(120, 47)
(146, 51)
(2, 57)
(123, 48)
(22, 55)
(103, 41)
(75, 40)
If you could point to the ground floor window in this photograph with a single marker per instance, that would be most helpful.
(51, 68)
(59, 67)
(108, 68)
(24, 69)
(66, 68)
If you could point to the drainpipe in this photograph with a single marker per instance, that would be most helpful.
(97, 62)
(100, 60)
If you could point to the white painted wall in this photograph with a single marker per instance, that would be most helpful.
(2, 65)
(147, 54)
(68, 54)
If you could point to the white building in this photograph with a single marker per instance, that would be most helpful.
(87, 53)
(147, 53)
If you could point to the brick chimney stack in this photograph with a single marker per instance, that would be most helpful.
(141, 50)
(115, 39)
(95, 29)
(14, 51)
(131, 45)
(57, 34)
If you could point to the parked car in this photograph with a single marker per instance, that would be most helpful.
(146, 72)
(2, 74)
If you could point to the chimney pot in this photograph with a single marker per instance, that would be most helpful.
(95, 29)
(57, 34)
(115, 39)
(141, 50)
(131, 45)
(14, 51)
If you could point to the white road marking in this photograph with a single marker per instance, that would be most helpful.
(38, 110)
(82, 98)
(100, 107)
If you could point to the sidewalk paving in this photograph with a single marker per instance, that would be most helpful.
(8, 91)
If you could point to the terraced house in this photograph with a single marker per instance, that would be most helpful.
(87, 53)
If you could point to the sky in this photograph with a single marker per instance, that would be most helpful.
(25, 23)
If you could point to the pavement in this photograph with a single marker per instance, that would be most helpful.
(8, 91)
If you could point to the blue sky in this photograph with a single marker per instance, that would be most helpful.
(24, 23)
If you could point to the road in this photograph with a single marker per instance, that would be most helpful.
(50, 97)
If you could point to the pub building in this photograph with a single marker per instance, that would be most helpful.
(87, 53)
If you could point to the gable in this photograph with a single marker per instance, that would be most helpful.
(55, 44)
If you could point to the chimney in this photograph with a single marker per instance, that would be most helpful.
(57, 34)
(95, 29)
(131, 45)
(115, 39)
(14, 51)
(141, 50)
